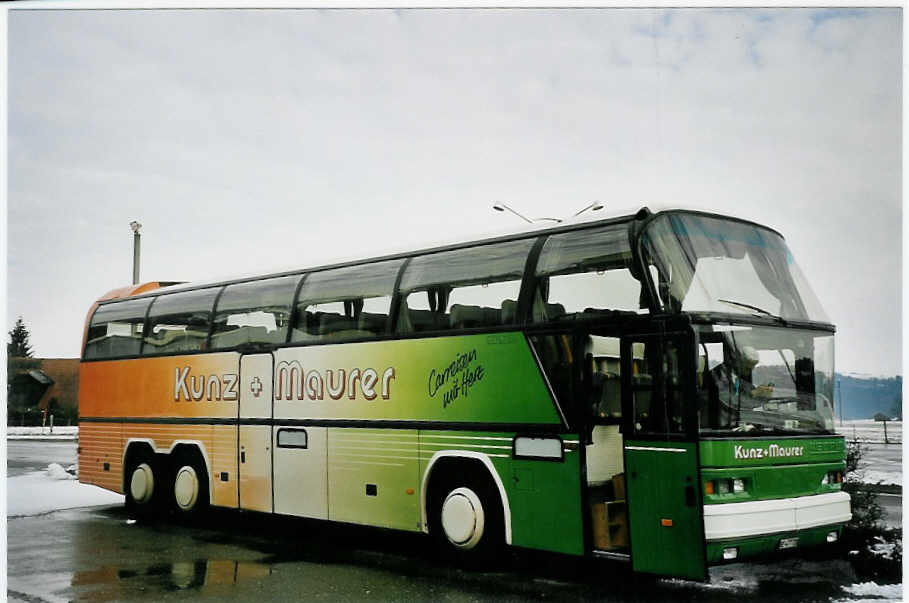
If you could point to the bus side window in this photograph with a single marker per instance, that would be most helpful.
(253, 312)
(345, 304)
(116, 329)
(585, 274)
(179, 322)
(475, 287)
(657, 390)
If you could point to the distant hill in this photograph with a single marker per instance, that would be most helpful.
(863, 396)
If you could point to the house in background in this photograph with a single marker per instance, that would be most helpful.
(36, 384)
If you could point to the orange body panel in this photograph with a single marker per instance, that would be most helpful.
(198, 387)
(103, 444)
(100, 444)
(146, 387)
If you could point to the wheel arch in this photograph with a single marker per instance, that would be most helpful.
(464, 455)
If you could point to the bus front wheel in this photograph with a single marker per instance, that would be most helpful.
(466, 519)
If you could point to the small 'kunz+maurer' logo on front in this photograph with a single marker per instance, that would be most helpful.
(771, 451)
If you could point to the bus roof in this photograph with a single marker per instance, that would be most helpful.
(156, 288)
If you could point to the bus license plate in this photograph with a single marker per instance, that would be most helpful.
(789, 543)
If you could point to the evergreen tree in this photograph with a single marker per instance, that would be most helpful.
(18, 346)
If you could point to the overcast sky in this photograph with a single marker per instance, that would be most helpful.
(248, 140)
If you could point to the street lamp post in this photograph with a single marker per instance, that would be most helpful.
(136, 236)
(503, 207)
(595, 206)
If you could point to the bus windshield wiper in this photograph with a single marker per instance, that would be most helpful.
(750, 307)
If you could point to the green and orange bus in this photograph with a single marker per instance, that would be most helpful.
(653, 388)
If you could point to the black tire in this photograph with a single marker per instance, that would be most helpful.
(143, 483)
(188, 488)
(465, 516)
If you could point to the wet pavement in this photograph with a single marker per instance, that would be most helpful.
(100, 554)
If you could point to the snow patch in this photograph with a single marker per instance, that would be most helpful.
(869, 430)
(887, 592)
(47, 491)
(69, 430)
(882, 548)
(67, 433)
(56, 471)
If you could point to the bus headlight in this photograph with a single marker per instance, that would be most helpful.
(730, 553)
(725, 486)
(832, 477)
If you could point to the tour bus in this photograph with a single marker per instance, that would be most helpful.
(653, 388)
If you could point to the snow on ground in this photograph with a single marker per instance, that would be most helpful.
(871, 591)
(882, 548)
(871, 476)
(54, 489)
(869, 430)
(69, 432)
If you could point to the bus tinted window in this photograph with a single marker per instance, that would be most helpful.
(585, 273)
(255, 312)
(346, 303)
(464, 288)
(116, 329)
(179, 322)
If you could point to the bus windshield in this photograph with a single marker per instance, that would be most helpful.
(764, 380)
(710, 264)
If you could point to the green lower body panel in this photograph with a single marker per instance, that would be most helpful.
(765, 545)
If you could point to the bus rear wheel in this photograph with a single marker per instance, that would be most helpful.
(143, 486)
(189, 492)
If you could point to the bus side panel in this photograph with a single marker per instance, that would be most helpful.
(373, 477)
(171, 391)
(198, 387)
(472, 378)
(546, 504)
(101, 455)
(543, 495)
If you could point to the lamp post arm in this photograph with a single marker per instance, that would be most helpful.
(503, 207)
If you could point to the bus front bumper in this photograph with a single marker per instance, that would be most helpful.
(747, 529)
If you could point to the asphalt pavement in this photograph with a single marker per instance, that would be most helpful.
(28, 456)
(99, 554)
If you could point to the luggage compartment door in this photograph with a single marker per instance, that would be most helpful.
(255, 440)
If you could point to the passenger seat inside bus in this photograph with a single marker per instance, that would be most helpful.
(372, 323)
(509, 313)
(238, 336)
(467, 317)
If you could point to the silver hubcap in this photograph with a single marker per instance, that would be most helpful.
(186, 488)
(142, 483)
(463, 519)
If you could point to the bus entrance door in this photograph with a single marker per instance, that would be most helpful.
(254, 427)
(661, 466)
